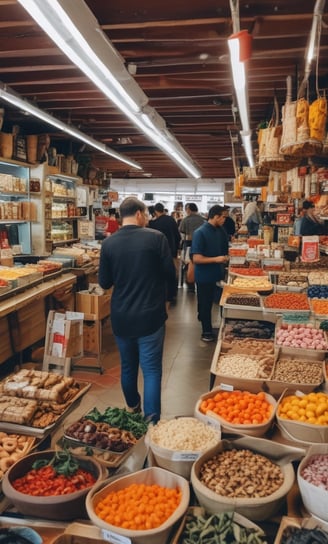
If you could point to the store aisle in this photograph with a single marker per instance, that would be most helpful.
(186, 365)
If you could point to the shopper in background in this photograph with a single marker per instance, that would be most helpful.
(310, 224)
(229, 224)
(252, 217)
(188, 225)
(168, 226)
(209, 253)
(112, 223)
(137, 262)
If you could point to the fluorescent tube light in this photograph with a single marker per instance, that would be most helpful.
(239, 82)
(12, 98)
(75, 30)
(247, 142)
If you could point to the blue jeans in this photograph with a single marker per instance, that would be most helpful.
(146, 351)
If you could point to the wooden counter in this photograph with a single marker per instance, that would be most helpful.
(23, 315)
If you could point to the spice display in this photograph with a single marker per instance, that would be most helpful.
(298, 371)
(244, 300)
(250, 345)
(320, 306)
(287, 301)
(292, 280)
(60, 475)
(138, 506)
(242, 366)
(254, 283)
(301, 336)
(252, 271)
(241, 474)
(311, 408)
(318, 291)
(218, 528)
(243, 328)
(239, 407)
(183, 434)
(318, 278)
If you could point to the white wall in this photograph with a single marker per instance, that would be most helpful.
(204, 192)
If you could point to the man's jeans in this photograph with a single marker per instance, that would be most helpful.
(205, 299)
(146, 351)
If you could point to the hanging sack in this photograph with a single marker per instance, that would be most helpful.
(252, 178)
(318, 119)
(288, 137)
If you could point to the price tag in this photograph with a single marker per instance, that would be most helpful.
(184, 456)
(226, 387)
(115, 538)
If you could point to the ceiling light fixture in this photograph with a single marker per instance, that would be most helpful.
(11, 97)
(240, 49)
(75, 30)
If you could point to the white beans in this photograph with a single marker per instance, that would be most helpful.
(183, 434)
(243, 366)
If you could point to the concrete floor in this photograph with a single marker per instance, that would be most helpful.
(186, 364)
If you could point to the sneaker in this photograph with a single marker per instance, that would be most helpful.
(207, 337)
(134, 410)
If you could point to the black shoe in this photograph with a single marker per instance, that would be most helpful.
(207, 337)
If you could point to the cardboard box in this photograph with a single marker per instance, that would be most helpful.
(97, 306)
(92, 336)
(64, 340)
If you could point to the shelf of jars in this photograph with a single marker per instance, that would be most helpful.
(17, 212)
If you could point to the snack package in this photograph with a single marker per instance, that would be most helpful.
(310, 249)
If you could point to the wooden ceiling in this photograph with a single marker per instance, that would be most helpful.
(178, 50)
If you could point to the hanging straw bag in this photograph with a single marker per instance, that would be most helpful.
(269, 153)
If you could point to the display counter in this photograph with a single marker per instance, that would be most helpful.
(23, 312)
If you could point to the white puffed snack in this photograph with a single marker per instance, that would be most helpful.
(183, 434)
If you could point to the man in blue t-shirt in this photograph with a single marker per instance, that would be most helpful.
(209, 252)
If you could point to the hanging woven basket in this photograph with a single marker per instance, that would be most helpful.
(253, 179)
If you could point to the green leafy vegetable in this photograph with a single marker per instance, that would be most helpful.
(62, 462)
(119, 417)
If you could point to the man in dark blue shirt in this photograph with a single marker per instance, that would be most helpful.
(209, 251)
(137, 261)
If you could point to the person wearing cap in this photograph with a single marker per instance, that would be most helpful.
(310, 224)
(209, 253)
(229, 225)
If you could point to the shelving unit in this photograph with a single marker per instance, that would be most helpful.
(16, 212)
(59, 206)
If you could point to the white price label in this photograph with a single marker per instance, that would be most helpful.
(115, 538)
(184, 456)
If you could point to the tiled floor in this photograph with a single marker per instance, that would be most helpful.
(186, 364)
